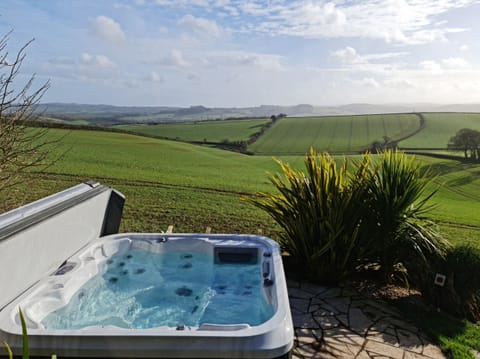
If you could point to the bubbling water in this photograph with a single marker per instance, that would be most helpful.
(141, 289)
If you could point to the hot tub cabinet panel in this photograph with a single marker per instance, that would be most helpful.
(271, 338)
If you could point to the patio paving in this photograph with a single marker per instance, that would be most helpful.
(341, 323)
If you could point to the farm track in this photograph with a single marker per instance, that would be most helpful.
(422, 124)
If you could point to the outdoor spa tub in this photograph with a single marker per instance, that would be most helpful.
(136, 295)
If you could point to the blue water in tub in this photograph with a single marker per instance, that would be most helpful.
(141, 289)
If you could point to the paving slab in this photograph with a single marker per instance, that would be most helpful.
(341, 323)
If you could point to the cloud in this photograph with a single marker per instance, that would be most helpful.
(174, 59)
(230, 11)
(394, 21)
(155, 77)
(464, 47)
(251, 8)
(383, 56)
(201, 26)
(399, 83)
(183, 3)
(369, 82)
(455, 63)
(97, 60)
(431, 67)
(245, 59)
(349, 56)
(108, 29)
(366, 62)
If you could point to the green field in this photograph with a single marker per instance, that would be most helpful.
(130, 157)
(439, 127)
(346, 134)
(170, 182)
(332, 133)
(208, 131)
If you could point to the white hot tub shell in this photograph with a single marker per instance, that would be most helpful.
(90, 243)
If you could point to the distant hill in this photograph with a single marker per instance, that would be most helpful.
(110, 115)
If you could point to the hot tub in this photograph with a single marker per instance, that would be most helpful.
(159, 295)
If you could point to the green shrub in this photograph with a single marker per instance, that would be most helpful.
(318, 213)
(397, 235)
(335, 219)
(461, 293)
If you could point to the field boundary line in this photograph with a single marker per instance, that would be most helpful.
(143, 183)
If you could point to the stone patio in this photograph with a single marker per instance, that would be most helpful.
(341, 323)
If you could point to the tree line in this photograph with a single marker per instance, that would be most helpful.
(468, 141)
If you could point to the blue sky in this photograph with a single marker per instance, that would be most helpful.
(246, 53)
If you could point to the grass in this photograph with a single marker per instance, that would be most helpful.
(293, 136)
(204, 180)
(208, 131)
(439, 127)
(120, 156)
(458, 200)
(457, 338)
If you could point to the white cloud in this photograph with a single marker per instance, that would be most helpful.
(201, 26)
(245, 59)
(455, 63)
(349, 56)
(398, 82)
(383, 56)
(232, 11)
(221, 3)
(431, 67)
(394, 21)
(366, 62)
(174, 59)
(97, 60)
(183, 3)
(369, 82)
(155, 77)
(108, 29)
(252, 8)
(464, 47)
(314, 14)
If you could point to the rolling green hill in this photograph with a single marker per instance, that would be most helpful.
(100, 154)
(208, 131)
(170, 182)
(294, 136)
(439, 127)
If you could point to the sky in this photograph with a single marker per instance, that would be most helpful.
(228, 53)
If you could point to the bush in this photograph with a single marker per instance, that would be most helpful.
(318, 213)
(335, 219)
(396, 233)
(461, 293)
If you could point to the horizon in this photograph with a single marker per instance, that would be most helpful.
(226, 53)
(438, 104)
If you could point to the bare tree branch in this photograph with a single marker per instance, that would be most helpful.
(21, 147)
